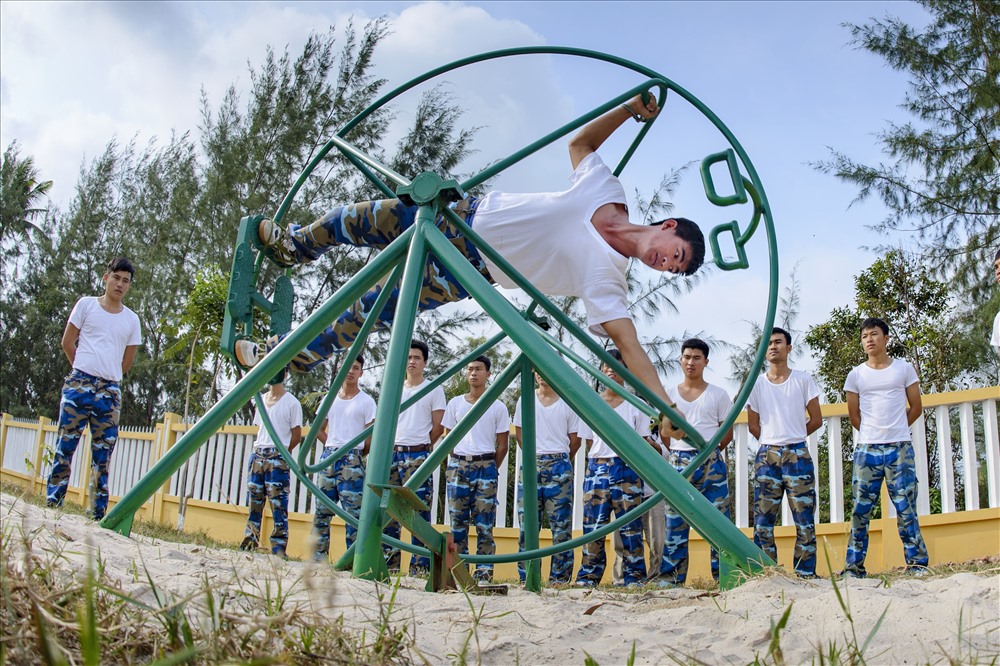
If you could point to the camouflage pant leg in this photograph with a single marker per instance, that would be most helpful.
(786, 469)
(256, 475)
(472, 498)
(596, 512)
(555, 501)
(653, 534)
(85, 401)
(343, 483)
(268, 476)
(872, 463)
(626, 494)
(404, 464)
(372, 224)
(711, 480)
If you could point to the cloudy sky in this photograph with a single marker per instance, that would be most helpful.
(781, 75)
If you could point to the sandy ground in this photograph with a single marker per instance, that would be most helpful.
(929, 620)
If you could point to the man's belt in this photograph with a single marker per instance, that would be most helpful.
(469, 458)
(422, 448)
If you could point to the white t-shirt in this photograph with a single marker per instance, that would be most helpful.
(285, 415)
(103, 338)
(631, 415)
(995, 340)
(348, 417)
(782, 407)
(482, 437)
(882, 398)
(553, 426)
(414, 425)
(705, 414)
(550, 239)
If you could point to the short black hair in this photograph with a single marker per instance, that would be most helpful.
(689, 231)
(617, 355)
(422, 346)
(996, 256)
(778, 329)
(121, 264)
(485, 360)
(361, 359)
(280, 377)
(875, 322)
(695, 343)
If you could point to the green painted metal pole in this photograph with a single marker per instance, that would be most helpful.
(369, 561)
(692, 506)
(529, 478)
(120, 517)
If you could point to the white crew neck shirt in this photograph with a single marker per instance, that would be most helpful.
(782, 407)
(285, 415)
(550, 239)
(882, 399)
(704, 413)
(348, 417)
(103, 338)
(553, 426)
(414, 425)
(482, 437)
(631, 415)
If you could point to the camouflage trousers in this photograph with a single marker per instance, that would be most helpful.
(343, 482)
(86, 400)
(653, 535)
(787, 470)
(893, 462)
(404, 464)
(268, 476)
(374, 224)
(555, 502)
(472, 500)
(611, 486)
(711, 480)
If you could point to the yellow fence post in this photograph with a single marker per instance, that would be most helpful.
(39, 450)
(3, 435)
(167, 440)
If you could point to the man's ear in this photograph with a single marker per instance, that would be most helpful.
(668, 224)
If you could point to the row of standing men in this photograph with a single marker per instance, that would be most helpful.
(783, 409)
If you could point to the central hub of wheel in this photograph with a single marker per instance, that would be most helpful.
(427, 187)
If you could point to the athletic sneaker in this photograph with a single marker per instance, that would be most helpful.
(277, 247)
(248, 353)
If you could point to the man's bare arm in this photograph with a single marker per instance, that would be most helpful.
(854, 409)
(753, 423)
(815, 416)
(916, 405)
(436, 428)
(626, 339)
(597, 131)
(128, 357)
(70, 335)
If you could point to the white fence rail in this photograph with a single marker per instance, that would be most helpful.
(217, 473)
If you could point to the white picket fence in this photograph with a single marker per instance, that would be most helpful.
(217, 473)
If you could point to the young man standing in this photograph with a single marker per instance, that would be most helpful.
(416, 431)
(995, 339)
(268, 470)
(572, 243)
(705, 406)
(556, 443)
(473, 466)
(352, 411)
(610, 486)
(100, 342)
(883, 401)
(783, 410)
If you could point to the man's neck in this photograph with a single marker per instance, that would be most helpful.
(693, 383)
(778, 371)
(348, 391)
(475, 392)
(414, 379)
(109, 302)
(276, 391)
(879, 361)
